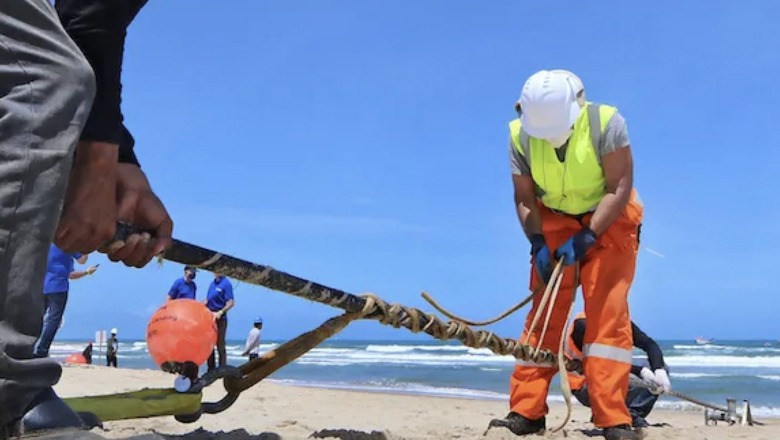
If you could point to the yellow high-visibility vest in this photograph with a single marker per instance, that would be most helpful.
(576, 185)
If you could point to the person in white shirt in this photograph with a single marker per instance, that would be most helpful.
(252, 348)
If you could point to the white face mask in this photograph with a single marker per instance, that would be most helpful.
(559, 141)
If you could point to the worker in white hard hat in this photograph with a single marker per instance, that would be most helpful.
(112, 348)
(573, 190)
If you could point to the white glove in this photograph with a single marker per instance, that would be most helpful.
(659, 379)
(662, 379)
(647, 375)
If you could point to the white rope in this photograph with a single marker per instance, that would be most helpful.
(543, 301)
(550, 308)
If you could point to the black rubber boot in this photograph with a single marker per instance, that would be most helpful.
(48, 412)
(520, 425)
(620, 432)
(639, 422)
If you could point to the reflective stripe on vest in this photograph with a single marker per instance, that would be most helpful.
(577, 185)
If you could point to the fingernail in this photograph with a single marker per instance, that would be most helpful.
(159, 248)
(116, 245)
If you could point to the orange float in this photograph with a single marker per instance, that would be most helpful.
(75, 358)
(182, 330)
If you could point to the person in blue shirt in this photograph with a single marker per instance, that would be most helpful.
(219, 300)
(185, 286)
(59, 271)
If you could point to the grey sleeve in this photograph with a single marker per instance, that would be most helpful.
(518, 161)
(615, 135)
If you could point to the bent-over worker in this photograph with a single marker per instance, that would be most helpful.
(573, 188)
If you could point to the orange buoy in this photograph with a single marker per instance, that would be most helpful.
(75, 358)
(182, 330)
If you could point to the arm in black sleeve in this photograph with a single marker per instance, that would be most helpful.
(99, 28)
(126, 144)
(654, 354)
(636, 370)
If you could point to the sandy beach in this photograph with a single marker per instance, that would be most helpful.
(276, 411)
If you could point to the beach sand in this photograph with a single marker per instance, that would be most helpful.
(272, 411)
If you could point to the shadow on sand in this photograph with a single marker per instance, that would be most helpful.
(241, 434)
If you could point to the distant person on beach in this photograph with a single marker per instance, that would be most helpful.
(59, 271)
(219, 300)
(87, 353)
(640, 400)
(112, 348)
(185, 286)
(252, 347)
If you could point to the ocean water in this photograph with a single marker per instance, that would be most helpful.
(728, 369)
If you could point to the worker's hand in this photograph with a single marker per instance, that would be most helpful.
(88, 218)
(662, 379)
(217, 315)
(541, 254)
(647, 374)
(659, 380)
(138, 206)
(575, 248)
(91, 269)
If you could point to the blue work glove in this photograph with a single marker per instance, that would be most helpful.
(541, 254)
(576, 247)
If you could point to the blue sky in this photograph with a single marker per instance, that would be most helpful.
(363, 145)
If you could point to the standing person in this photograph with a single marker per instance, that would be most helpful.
(185, 286)
(219, 300)
(47, 89)
(87, 353)
(640, 400)
(252, 347)
(572, 173)
(59, 270)
(112, 348)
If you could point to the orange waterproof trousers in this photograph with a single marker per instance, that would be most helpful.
(606, 274)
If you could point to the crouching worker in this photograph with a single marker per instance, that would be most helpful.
(640, 400)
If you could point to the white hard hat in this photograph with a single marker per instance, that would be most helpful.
(575, 82)
(113, 331)
(549, 105)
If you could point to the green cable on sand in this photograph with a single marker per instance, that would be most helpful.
(137, 404)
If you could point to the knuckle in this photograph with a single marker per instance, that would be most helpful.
(104, 233)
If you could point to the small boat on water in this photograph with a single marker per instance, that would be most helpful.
(704, 341)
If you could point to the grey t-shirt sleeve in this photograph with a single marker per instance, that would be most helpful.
(518, 162)
(615, 135)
